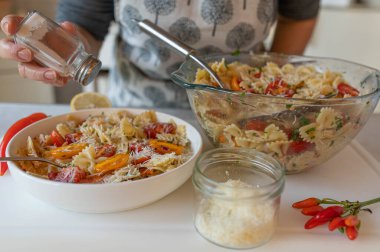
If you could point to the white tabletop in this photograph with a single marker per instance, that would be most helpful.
(26, 224)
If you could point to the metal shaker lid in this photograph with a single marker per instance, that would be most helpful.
(88, 70)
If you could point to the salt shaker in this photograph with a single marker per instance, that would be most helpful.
(56, 48)
(237, 196)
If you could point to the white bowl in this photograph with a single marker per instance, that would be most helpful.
(101, 198)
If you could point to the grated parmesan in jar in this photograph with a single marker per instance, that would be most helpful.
(236, 219)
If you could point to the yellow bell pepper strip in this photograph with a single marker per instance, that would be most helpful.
(67, 151)
(113, 163)
(162, 147)
(235, 83)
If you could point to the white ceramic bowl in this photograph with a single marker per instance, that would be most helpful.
(101, 198)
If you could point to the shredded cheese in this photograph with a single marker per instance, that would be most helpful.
(236, 222)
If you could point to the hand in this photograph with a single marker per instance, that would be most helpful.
(27, 67)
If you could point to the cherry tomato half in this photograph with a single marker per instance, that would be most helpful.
(344, 88)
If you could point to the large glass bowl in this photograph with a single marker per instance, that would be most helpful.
(225, 115)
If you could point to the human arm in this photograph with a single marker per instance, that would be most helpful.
(296, 22)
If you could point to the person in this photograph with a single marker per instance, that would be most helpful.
(139, 76)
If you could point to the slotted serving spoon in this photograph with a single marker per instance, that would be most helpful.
(183, 49)
(4, 159)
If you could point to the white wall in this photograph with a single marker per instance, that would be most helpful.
(351, 34)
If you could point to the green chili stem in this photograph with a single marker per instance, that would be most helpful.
(370, 202)
(351, 207)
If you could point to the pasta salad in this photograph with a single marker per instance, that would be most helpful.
(298, 134)
(108, 148)
(302, 81)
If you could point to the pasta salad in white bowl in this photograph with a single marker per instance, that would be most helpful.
(113, 159)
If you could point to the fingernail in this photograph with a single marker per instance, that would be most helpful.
(4, 26)
(24, 54)
(50, 75)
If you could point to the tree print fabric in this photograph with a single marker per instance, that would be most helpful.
(240, 36)
(266, 13)
(143, 65)
(216, 12)
(159, 7)
(186, 30)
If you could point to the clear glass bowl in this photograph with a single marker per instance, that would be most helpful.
(219, 111)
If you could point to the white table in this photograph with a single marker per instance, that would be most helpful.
(27, 224)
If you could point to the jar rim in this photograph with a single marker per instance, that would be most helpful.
(277, 170)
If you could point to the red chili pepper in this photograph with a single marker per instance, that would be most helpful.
(335, 223)
(324, 216)
(330, 213)
(351, 221)
(311, 211)
(351, 233)
(13, 130)
(309, 202)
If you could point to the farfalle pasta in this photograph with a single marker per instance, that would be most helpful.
(108, 148)
(297, 134)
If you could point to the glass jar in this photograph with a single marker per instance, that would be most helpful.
(56, 48)
(237, 195)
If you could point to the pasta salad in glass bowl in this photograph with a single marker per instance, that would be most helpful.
(113, 159)
(300, 110)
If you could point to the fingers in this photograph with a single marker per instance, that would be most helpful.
(10, 50)
(10, 23)
(70, 27)
(34, 71)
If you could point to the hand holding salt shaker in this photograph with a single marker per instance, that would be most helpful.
(56, 48)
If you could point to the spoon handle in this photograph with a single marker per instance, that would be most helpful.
(159, 33)
(4, 159)
(189, 52)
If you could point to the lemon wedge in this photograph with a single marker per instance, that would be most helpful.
(89, 100)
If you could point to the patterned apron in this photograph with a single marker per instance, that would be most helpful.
(140, 76)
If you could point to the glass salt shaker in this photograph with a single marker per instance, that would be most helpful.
(56, 48)
(237, 196)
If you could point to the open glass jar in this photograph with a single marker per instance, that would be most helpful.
(237, 196)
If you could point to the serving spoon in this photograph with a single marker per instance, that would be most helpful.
(155, 31)
(4, 159)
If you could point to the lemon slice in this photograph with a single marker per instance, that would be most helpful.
(89, 100)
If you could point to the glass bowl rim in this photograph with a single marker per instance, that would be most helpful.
(180, 81)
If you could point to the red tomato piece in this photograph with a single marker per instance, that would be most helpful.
(257, 75)
(297, 147)
(140, 160)
(56, 138)
(136, 147)
(255, 124)
(151, 130)
(344, 88)
(279, 88)
(70, 175)
(72, 138)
